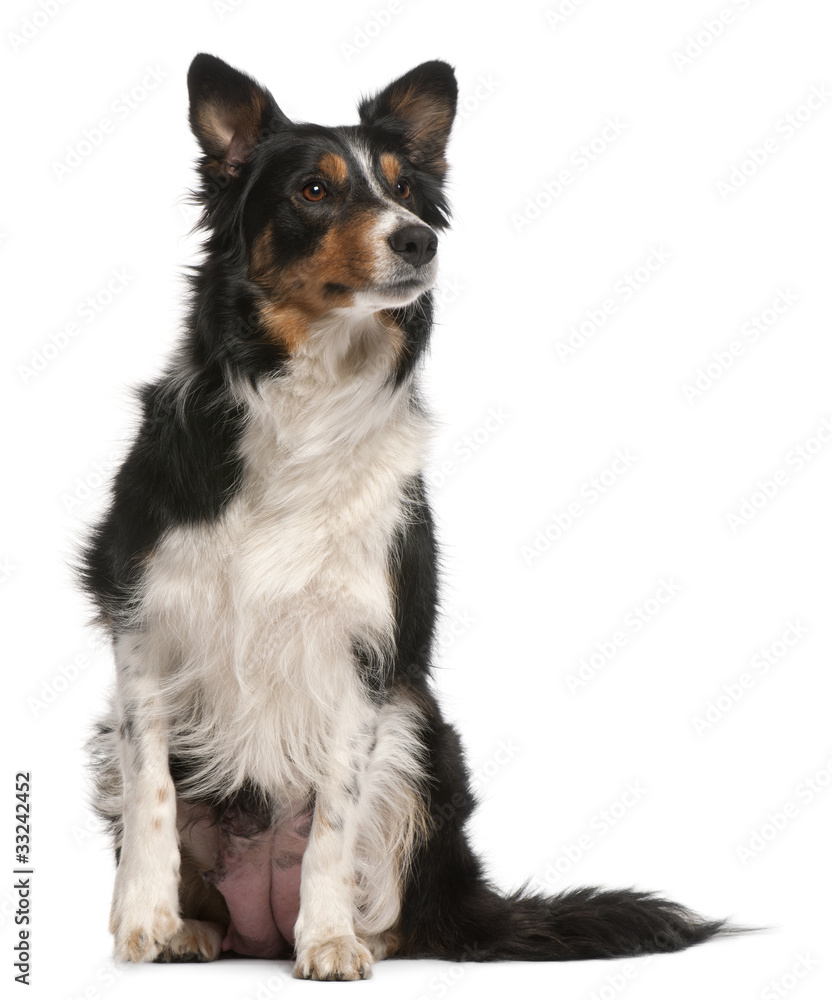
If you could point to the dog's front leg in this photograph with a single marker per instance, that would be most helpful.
(325, 941)
(145, 912)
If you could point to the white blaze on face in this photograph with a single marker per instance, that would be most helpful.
(398, 281)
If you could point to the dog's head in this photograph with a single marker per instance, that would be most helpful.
(326, 218)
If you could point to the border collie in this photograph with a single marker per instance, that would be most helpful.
(275, 770)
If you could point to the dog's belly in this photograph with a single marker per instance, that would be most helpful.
(258, 875)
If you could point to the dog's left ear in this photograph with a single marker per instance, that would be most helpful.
(417, 109)
(229, 113)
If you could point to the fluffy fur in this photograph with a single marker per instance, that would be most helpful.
(275, 769)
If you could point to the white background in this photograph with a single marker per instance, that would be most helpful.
(549, 760)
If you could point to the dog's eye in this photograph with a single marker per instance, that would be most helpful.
(403, 189)
(314, 192)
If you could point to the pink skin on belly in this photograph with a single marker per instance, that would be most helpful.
(258, 876)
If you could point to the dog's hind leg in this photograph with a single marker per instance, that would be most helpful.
(145, 913)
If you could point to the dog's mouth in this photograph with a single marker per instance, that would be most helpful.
(405, 289)
(391, 295)
(409, 286)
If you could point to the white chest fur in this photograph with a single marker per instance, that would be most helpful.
(253, 618)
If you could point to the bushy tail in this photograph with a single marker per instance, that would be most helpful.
(579, 924)
(450, 909)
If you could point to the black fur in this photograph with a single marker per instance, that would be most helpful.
(182, 468)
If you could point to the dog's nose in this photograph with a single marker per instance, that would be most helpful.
(417, 244)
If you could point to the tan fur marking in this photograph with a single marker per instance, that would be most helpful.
(394, 333)
(191, 942)
(261, 255)
(391, 167)
(162, 795)
(322, 820)
(333, 166)
(286, 325)
(296, 296)
(393, 942)
(137, 946)
(384, 945)
(209, 119)
(157, 824)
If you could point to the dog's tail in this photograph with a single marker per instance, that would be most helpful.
(579, 924)
(451, 910)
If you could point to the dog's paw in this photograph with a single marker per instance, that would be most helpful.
(144, 917)
(336, 960)
(140, 938)
(194, 941)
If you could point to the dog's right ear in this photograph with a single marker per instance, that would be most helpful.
(229, 113)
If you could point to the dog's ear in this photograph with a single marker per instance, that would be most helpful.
(418, 109)
(229, 113)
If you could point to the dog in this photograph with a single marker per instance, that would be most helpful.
(275, 770)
